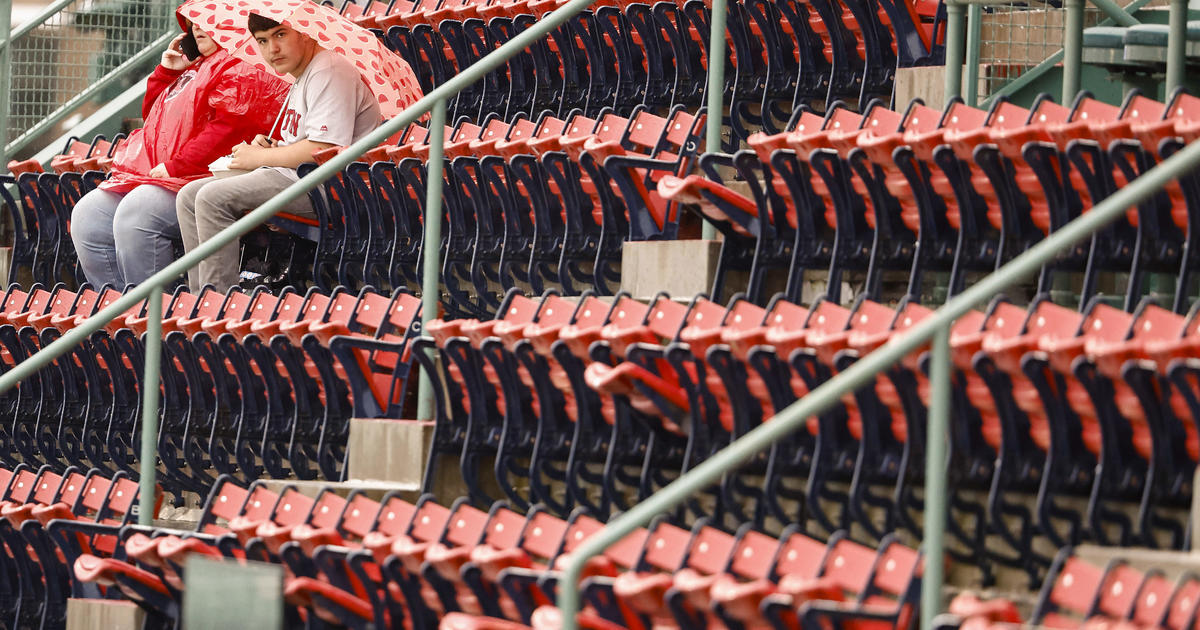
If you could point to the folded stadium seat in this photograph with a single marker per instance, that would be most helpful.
(564, 451)
(904, 393)
(691, 600)
(1063, 194)
(65, 399)
(37, 304)
(41, 597)
(484, 396)
(21, 213)
(642, 451)
(880, 431)
(366, 15)
(258, 537)
(796, 208)
(534, 438)
(1182, 604)
(503, 230)
(857, 586)
(528, 587)
(554, 186)
(738, 593)
(1081, 595)
(1104, 160)
(19, 341)
(75, 150)
(1024, 206)
(1075, 411)
(84, 305)
(1069, 464)
(49, 198)
(62, 301)
(1138, 439)
(997, 435)
(1075, 592)
(470, 534)
(267, 362)
(101, 156)
(1167, 212)
(511, 541)
(751, 371)
(91, 526)
(401, 558)
(345, 587)
(442, 590)
(651, 148)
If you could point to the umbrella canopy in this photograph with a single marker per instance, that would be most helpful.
(388, 75)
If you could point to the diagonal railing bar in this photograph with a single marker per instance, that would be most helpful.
(1124, 18)
(863, 372)
(259, 215)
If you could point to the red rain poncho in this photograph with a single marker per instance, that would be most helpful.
(193, 117)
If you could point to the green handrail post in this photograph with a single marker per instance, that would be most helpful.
(974, 43)
(937, 432)
(432, 244)
(148, 466)
(862, 373)
(716, 90)
(1176, 44)
(259, 215)
(955, 18)
(1072, 49)
(5, 73)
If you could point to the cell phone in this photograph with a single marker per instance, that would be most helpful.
(188, 46)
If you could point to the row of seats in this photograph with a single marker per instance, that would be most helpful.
(354, 561)
(440, 41)
(957, 191)
(555, 413)
(252, 383)
(47, 517)
(780, 53)
(547, 202)
(41, 246)
(530, 202)
(1079, 594)
(1068, 425)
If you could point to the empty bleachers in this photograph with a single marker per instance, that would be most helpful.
(561, 402)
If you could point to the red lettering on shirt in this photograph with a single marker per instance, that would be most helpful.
(290, 123)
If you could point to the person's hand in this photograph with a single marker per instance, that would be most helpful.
(248, 156)
(263, 141)
(173, 58)
(159, 171)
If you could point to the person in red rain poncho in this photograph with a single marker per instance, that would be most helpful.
(195, 112)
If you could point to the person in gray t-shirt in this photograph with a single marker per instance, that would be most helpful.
(329, 105)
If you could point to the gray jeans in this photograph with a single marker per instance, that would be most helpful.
(124, 238)
(207, 206)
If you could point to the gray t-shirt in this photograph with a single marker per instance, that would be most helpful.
(328, 103)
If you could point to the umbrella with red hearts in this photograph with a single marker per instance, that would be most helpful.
(389, 76)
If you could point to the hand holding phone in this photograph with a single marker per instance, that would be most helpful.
(173, 58)
(188, 46)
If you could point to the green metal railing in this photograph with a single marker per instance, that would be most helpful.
(74, 52)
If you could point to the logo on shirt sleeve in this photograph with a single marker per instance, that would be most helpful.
(324, 128)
